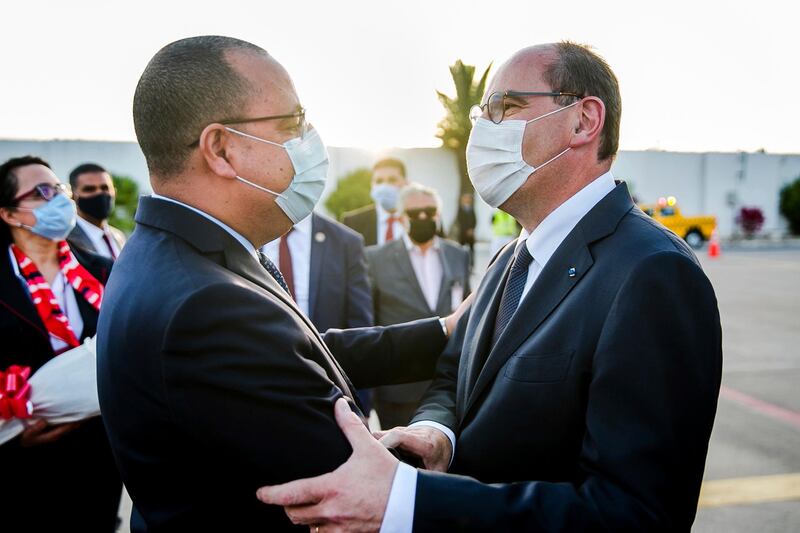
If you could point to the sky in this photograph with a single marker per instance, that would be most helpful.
(694, 75)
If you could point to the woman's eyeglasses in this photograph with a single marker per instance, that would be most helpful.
(45, 191)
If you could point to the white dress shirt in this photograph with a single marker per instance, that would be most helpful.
(66, 299)
(235, 234)
(96, 234)
(383, 220)
(542, 244)
(427, 266)
(299, 242)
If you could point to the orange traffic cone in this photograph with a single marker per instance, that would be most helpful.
(713, 245)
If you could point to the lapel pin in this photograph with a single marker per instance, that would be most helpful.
(319, 237)
(572, 272)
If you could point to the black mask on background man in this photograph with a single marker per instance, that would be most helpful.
(98, 206)
(422, 230)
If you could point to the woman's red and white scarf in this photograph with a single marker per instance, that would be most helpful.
(45, 302)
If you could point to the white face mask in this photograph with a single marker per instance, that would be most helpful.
(310, 161)
(494, 157)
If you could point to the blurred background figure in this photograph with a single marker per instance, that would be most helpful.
(94, 194)
(380, 223)
(323, 264)
(419, 275)
(59, 477)
(504, 230)
(466, 221)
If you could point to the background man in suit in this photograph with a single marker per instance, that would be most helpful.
(583, 383)
(210, 378)
(94, 194)
(416, 276)
(380, 222)
(325, 269)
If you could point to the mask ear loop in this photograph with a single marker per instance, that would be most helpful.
(553, 112)
(259, 139)
(260, 188)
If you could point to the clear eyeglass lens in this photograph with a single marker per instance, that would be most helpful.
(496, 107)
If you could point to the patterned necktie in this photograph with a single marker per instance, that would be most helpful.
(269, 266)
(512, 292)
(285, 261)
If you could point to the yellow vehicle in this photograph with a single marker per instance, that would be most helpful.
(694, 230)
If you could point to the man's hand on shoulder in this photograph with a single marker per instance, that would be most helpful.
(451, 321)
(427, 443)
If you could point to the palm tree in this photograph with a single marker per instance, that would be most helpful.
(454, 128)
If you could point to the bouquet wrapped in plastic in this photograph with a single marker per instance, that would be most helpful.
(62, 390)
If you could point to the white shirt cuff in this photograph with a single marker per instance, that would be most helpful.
(399, 515)
(444, 429)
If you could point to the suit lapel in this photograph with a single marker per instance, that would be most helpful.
(210, 238)
(444, 303)
(403, 262)
(318, 251)
(552, 286)
(477, 344)
(79, 237)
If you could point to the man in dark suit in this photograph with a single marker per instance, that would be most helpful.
(380, 223)
(94, 195)
(419, 275)
(324, 267)
(210, 379)
(580, 391)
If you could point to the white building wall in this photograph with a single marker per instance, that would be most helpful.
(704, 183)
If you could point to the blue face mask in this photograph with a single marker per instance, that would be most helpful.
(54, 220)
(387, 196)
(310, 161)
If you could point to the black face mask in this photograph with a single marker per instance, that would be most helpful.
(98, 206)
(421, 231)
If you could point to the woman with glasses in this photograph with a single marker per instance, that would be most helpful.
(54, 477)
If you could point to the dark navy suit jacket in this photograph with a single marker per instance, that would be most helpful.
(212, 382)
(339, 292)
(593, 410)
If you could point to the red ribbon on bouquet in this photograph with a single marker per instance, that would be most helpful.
(15, 392)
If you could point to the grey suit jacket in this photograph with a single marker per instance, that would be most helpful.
(78, 237)
(397, 296)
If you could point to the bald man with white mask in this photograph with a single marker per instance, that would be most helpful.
(579, 391)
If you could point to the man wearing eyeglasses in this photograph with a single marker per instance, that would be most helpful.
(419, 275)
(211, 379)
(579, 392)
(94, 195)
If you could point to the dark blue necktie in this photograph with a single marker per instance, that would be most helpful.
(269, 266)
(512, 292)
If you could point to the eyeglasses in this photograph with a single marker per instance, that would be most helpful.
(495, 106)
(414, 214)
(45, 191)
(296, 123)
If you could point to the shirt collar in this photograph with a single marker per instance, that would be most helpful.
(412, 246)
(550, 233)
(304, 226)
(383, 214)
(90, 229)
(235, 234)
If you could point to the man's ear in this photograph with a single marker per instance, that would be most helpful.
(213, 146)
(589, 123)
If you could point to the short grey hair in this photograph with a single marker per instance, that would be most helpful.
(418, 188)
